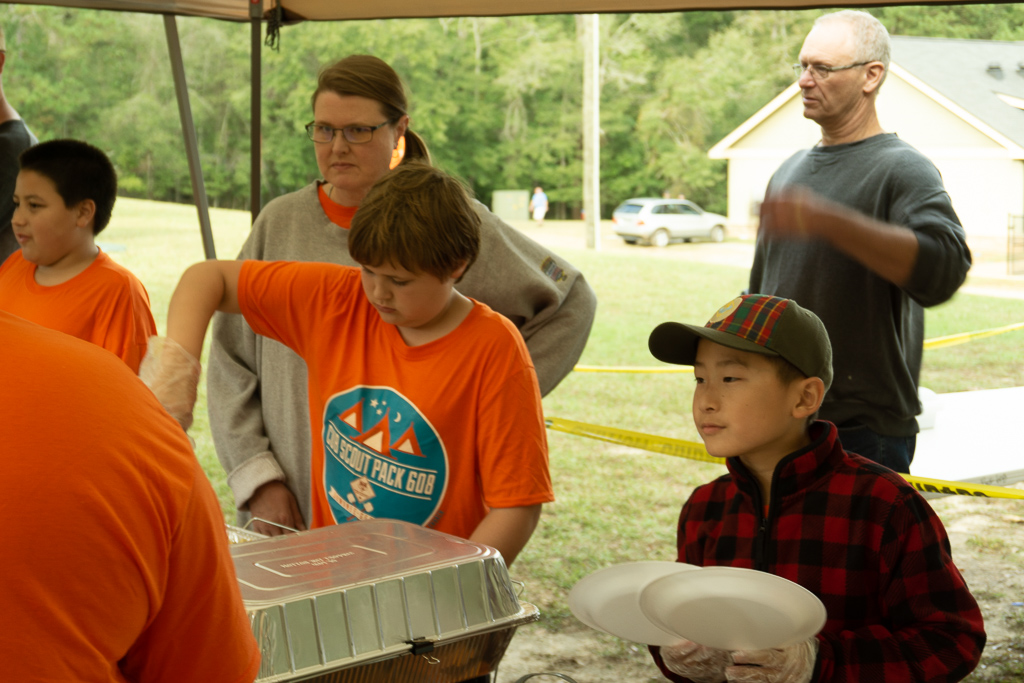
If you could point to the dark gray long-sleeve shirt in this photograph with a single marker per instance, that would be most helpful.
(876, 328)
(15, 138)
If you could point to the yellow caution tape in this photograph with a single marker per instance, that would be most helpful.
(695, 451)
(954, 339)
(647, 442)
(959, 488)
(936, 343)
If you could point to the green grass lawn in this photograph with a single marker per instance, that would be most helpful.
(615, 504)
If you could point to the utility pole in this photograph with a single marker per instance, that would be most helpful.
(592, 129)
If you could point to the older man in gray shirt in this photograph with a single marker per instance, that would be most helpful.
(860, 230)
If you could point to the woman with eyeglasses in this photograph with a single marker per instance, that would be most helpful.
(256, 388)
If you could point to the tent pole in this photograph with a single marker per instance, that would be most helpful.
(592, 129)
(255, 115)
(188, 130)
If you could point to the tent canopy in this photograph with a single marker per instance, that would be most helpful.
(256, 11)
(325, 10)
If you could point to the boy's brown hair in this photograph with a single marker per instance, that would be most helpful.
(419, 218)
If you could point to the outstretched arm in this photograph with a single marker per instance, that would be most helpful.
(204, 289)
(171, 366)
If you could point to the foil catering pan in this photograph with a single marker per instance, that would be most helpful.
(242, 535)
(351, 596)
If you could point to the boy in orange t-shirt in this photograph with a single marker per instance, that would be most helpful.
(424, 403)
(60, 279)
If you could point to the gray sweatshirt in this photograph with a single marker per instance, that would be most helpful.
(256, 387)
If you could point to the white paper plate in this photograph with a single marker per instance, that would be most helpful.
(608, 600)
(732, 609)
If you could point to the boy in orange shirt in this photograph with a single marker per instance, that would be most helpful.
(59, 278)
(424, 403)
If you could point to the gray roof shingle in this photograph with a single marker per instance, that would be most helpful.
(965, 72)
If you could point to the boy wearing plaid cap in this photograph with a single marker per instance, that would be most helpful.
(795, 504)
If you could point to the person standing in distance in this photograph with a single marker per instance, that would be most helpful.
(15, 138)
(539, 205)
(860, 230)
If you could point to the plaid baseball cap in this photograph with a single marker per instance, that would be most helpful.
(757, 323)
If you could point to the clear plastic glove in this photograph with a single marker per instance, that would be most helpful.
(793, 664)
(172, 374)
(698, 663)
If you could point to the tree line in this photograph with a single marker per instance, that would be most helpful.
(498, 100)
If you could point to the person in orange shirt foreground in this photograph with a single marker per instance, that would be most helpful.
(115, 555)
(424, 403)
(63, 198)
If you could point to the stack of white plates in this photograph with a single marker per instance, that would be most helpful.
(660, 603)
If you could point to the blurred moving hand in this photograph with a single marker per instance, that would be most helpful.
(798, 213)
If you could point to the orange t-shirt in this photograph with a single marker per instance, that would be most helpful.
(336, 213)
(115, 557)
(104, 304)
(434, 434)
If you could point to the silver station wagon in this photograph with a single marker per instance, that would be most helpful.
(660, 221)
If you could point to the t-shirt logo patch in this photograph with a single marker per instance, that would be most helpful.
(553, 270)
(382, 458)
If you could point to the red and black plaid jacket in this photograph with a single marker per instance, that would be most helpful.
(859, 537)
